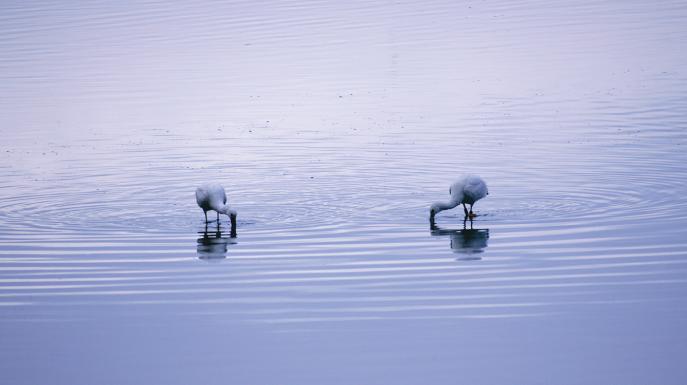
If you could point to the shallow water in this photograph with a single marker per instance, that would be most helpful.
(334, 127)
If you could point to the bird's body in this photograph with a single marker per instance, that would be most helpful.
(467, 190)
(211, 196)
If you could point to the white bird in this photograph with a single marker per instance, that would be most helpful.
(211, 196)
(467, 190)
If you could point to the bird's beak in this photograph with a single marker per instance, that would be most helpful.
(233, 224)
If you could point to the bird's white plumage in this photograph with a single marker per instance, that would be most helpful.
(211, 196)
(466, 190)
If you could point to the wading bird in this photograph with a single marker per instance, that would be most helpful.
(467, 190)
(211, 196)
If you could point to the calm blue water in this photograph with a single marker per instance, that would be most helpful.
(333, 128)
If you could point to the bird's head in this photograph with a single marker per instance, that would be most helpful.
(231, 213)
(232, 217)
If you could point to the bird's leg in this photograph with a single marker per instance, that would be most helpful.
(206, 218)
(465, 209)
(471, 215)
(218, 218)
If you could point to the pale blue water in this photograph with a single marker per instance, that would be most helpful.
(334, 127)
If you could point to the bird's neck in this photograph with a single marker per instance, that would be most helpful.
(226, 210)
(441, 206)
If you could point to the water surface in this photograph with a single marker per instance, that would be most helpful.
(334, 127)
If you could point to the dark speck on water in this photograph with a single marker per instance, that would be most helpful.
(574, 272)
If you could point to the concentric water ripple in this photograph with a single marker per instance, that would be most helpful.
(328, 245)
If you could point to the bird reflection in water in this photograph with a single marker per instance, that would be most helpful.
(213, 245)
(468, 241)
